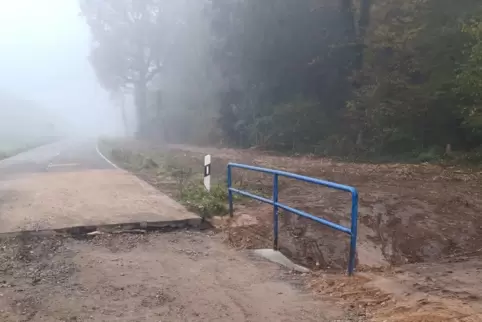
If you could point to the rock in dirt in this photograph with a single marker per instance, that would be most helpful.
(279, 258)
(130, 231)
(244, 220)
(94, 233)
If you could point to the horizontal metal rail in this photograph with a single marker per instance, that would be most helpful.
(293, 210)
(352, 231)
(329, 184)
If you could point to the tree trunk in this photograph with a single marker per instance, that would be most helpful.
(140, 93)
(124, 116)
(348, 19)
(448, 149)
(363, 23)
(359, 138)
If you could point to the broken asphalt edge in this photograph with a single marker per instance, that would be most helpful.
(108, 228)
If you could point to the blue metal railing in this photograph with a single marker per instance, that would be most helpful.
(352, 231)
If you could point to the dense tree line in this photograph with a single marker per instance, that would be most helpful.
(342, 77)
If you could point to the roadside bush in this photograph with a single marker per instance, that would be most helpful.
(205, 203)
(185, 184)
(432, 155)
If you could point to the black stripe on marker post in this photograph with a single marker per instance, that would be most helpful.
(207, 172)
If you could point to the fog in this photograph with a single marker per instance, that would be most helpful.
(44, 47)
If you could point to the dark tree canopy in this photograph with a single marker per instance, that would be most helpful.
(363, 78)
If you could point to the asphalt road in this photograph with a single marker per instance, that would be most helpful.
(71, 184)
(65, 155)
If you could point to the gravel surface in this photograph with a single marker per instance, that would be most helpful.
(175, 276)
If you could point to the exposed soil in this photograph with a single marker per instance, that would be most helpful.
(420, 229)
(176, 276)
(408, 213)
(415, 293)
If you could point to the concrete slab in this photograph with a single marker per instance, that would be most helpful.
(57, 200)
(279, 258)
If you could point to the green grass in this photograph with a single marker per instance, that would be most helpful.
(185, 183)
(205, 203)
(12, 146)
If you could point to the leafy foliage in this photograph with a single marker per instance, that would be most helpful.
(365, 78)
(206, 204)
(189, 188)
(469, 80)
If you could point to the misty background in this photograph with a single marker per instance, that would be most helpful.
(47, 85)
(352, 78)
(364, 79)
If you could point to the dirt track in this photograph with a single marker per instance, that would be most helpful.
(408, 213)
(420, 243)
(178, 276)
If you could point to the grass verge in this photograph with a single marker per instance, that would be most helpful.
(11, 146)
(179, 176)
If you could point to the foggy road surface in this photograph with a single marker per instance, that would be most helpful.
(70, 184)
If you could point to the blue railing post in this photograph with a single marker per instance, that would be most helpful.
(354, 229)
(274, 201)
(275, 212)
(230, 193)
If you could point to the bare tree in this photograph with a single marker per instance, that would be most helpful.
(127, 50)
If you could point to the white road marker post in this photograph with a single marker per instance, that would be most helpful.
(207, 172)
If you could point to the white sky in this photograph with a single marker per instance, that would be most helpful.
(44, 46)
